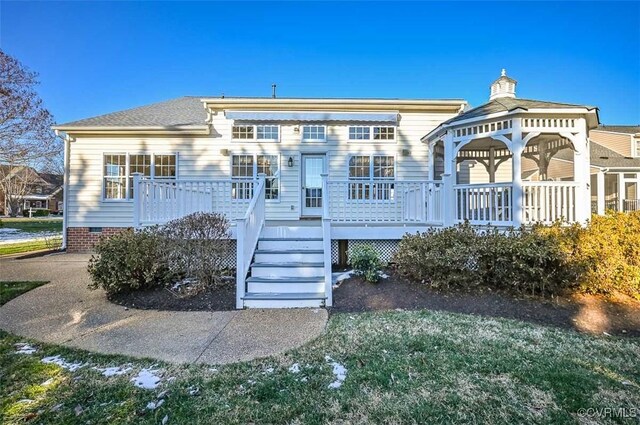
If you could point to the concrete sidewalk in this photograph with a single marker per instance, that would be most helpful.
(66, 312)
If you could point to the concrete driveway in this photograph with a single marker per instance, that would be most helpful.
(66, 312)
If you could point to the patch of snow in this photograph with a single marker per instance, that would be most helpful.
(25, 401)
(57, 360)
(184, 282)
(383, 275)
(295, 368)
(268, 371)
(339, 371)
(193, 390)
(47, 382)
(338, 277)
(165, 419)
(146, 379)
(24, 348)
(9, 235)
(113, 371)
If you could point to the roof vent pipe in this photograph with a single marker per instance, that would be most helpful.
(273, 91)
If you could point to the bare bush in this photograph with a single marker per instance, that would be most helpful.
(196, 246)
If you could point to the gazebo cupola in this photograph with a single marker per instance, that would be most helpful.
(503, 86)
(496, 161)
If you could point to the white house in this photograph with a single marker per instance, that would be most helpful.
(302, 179)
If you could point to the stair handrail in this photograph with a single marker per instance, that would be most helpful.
(248, 229)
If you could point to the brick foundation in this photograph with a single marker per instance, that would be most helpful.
(83, 239)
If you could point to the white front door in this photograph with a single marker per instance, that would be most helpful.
(312, 167)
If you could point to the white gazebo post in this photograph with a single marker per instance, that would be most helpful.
(600, 192)
(448, 180)
(581, 174)
(516, 174)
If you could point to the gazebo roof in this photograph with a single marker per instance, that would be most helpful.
(506, 104)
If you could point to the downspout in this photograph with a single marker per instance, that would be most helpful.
(65, 187)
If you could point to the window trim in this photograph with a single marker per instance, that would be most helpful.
(371, 178)
(371, 134)
(255, 133)
(302, 139)
(127, 175)
(255, 170)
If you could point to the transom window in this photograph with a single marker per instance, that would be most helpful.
(365, 132)
(118, 172)
(255, 132)
(242, 132)
(370, 175)
(359, 133)
(313, 133)
(248, 167)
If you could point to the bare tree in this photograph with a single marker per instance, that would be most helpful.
(26, 137)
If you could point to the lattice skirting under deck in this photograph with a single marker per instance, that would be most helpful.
(385, 247)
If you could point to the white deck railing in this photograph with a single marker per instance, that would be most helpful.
(384, 201)
(157, 201)
(484, 203)
(547, 202)
(248, 229)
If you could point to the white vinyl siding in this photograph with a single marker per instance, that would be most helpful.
(206, 157)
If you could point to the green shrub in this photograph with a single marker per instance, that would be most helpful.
(462, 257)
(36, 213)
(127, 261)
(602, 257)
(197, 246)
(365, 261)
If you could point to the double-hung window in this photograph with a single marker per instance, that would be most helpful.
(381, 133)
(314, 133)
(268, 132)
(371, 177)
(118, 170)
(246, 167)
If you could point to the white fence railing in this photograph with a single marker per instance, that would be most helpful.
(484, 203)
(157, 201)
(248, 229)
(384, 201)
(547, 202)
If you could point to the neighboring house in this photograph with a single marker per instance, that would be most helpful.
(303, 179)
(615, 155)
(31, 190)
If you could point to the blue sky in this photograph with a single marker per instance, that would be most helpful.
(95, 57)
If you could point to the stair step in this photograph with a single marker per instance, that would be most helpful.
(289, 256)
(285, 284)
(282, 244)
(287, 269)
(284, 296)
(288, 265)
(292, 231)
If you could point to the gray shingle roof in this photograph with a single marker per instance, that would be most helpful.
(506, 104)
(629, 129)
(179, 112)
(602, 156)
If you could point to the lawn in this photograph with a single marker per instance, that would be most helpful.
(28, 246)
(33, 225)
(399, 367)
(9, 290)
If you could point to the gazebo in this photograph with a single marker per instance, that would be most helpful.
(495, 160)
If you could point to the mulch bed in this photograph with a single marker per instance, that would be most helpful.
(584, 313)
(219, 299)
